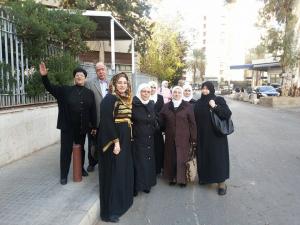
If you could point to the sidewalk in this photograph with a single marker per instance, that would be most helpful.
(30, 193)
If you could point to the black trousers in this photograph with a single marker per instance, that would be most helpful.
(67, 139)
(92, 141)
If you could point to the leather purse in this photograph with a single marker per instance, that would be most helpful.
(221, 126)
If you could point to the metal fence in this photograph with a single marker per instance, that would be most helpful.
(8, 100)
(14, 68)
(14, 64)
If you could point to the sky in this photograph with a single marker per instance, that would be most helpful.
(186, 14)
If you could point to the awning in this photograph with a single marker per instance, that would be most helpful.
(266, 66)
(103, 20)
(243, 66)
(109, 29)
(258, 66)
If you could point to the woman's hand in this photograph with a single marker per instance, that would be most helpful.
(93, 132)
(43, 69)
(212, 103)
(117, 148)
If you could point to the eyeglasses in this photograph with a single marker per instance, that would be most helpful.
(144, 91)
(153, 87)
(79, 75)
(187, 90)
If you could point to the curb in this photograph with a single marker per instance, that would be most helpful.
(92, 217)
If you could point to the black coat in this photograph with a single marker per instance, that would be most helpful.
(158, 137)
(144, 126)
(76, 106)
(159, 104)
(212, 149)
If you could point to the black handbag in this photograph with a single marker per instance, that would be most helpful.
(221, 126)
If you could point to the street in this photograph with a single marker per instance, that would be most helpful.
(264, 183)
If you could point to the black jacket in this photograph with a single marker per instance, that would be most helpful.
(76, 106)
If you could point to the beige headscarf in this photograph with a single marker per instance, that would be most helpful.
(187, 86)
(154, 96)
(138, 93)
(177, 103)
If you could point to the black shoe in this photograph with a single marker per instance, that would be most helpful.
(84, 173)
(135, 193)
(171, 183)
(147, 191)
(111, 219)
(182, 185)
(222, 191)
(63, 181)
(202, 183)
(90, 168)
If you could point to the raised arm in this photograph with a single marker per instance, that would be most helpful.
(55, 90)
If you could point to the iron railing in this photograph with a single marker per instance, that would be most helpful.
(12, 100)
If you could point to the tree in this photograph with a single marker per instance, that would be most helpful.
(279, 21)
(54, 36)
(133, 14)
(198, 63)
(255, 53)
(40, 28)
(165, 57)
(60, 69)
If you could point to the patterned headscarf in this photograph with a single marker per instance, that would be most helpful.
(127, 98)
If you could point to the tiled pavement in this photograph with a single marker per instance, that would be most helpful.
(30, 193)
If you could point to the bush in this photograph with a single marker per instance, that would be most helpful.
(60, 69)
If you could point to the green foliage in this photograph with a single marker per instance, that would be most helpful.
(40, 28)
(134, 15)
(279, 21)
(255, 53)
(60, 69)
(165, 55)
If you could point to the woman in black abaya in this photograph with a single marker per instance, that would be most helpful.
(144, 125)
(159, 143)
(116, 164)
(212, 148)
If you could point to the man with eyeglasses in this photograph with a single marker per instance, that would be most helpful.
(76, 114)
(99, 86)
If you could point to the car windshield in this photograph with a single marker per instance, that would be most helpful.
(267, 88)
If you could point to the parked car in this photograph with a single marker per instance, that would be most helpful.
(277, 87)
(265, 91)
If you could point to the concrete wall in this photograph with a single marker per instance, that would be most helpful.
(25, 130)
(280, 102)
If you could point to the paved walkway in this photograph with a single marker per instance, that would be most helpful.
(263, 189)
(30, 193)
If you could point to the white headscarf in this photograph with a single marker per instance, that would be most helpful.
(138, 93)
(154, 96)
(177, 102)
(187, 86)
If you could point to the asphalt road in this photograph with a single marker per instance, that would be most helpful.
(264, 187)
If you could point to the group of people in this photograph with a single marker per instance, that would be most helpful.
(139, 137)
